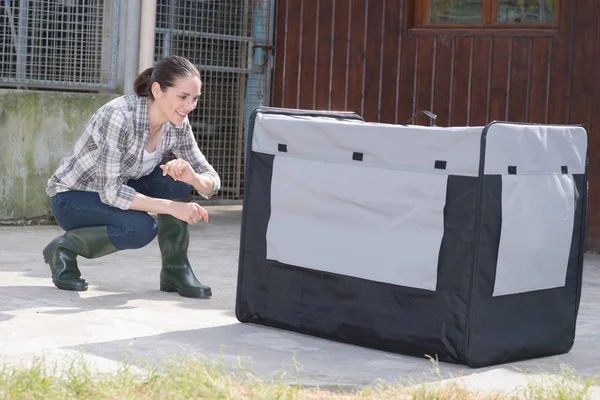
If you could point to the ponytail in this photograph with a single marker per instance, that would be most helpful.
(165, 72)
(142, 84)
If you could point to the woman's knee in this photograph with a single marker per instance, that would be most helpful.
(162, 187)
(168, 188)
(180, 190)
(139, 230)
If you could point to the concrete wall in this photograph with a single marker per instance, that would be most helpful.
(37, 129)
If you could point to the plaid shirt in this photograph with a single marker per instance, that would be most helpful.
(110, 151)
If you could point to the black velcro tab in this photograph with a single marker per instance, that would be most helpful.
(357, 156)
(564, 169)
(439, 164)
(282, 147)
(512, 170)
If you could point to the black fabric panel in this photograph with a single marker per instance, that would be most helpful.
(346, 309)
(575, 269)
(456, 258)
(524, 325)
(388, 317)
(253, 243)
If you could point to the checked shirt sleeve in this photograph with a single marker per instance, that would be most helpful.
(111, 139)
(187, 149)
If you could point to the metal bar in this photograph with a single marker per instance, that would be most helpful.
(53, 84)
(223, 69)
(115, 36)
(204, 35)
(22, 39)
(103, 31)
(132, 35)
(242, 95)
(167, 37)
(35, 60)
(55, 47)
(166, 44)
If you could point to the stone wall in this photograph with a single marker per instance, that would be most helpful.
(37, 129)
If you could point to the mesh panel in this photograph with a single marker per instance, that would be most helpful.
(58, 43)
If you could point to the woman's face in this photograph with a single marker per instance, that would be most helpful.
(179, 100)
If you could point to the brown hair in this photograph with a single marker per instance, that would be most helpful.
(165, 72)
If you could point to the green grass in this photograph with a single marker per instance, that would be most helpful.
(199, 378)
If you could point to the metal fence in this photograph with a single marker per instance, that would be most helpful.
(229, 41)
(65, 44)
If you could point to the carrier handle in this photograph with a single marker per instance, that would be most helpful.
(424, 112)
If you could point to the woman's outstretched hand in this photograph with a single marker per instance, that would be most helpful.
(188, 212)
(179, 170)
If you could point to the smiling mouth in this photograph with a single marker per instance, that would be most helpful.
(180, 113)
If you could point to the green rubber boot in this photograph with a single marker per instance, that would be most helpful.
(176, 274)
(61, 255)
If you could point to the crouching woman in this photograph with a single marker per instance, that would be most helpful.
(102, 192)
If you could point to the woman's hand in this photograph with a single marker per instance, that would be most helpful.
(188, 212)
(179, 170)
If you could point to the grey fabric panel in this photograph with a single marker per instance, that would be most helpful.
(537, 228)
(372, 223)
(535, 148)
(410, 148)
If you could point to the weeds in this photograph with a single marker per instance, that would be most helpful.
(200, 378)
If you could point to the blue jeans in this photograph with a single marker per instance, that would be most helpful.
(126, 229)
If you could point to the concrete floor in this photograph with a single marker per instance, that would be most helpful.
(124, 317)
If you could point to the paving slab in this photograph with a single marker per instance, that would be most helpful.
(123, 317)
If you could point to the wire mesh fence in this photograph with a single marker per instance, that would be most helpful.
(63, 44)
(228, 41)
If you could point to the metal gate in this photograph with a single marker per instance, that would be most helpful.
(230, 41)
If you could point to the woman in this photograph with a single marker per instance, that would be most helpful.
(102, 193)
